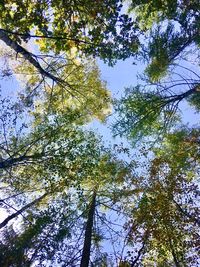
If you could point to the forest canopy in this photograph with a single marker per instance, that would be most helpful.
(67, 197)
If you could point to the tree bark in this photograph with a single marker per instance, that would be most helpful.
(88, 233)
(13, 161)
(176, 261)
(30, 57)
(14, 215)
(141, 250)
(188, 215)
(182, 96)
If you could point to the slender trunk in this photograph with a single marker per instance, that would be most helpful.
(141, 250)
(138, 255)
(31, 58)
(88, 233)
(189, 92)
(184, 212)
(14, 215)
(177, 264)
(183, 46)
(13, 161)
(180, 97)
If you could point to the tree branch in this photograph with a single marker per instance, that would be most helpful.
(30, 57)
(14, 215)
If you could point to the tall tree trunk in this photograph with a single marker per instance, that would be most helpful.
(30, 57)
(7, 163)
(188, 215)
(88, 233)
(176, 261)
(142, 249)
(14, 215)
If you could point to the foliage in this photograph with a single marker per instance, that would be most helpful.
(170, 47)
(151, 109)
(165, 223)
(61, 26)
(143, 113)
(66, 163)
(79, 91)
(172, 26)
(66, 195)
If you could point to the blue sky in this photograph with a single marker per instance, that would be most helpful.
(122, 75)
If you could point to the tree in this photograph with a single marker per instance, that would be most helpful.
(79, 88)
(60, 73)
(172, 27)
(170, 52)
(53, 169)
(165, 223)
(61, 26)
(72, 197)
(153, 109)
(68, 193)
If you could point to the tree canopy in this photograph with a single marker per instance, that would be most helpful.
(68, 198)
(60, 26)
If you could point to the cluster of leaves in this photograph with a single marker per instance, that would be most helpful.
(51, 170)
(170, 49)
(164, 228)
(143, 113)
(68, 24)
(164, 225)
(172, 26)
(68, 197)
